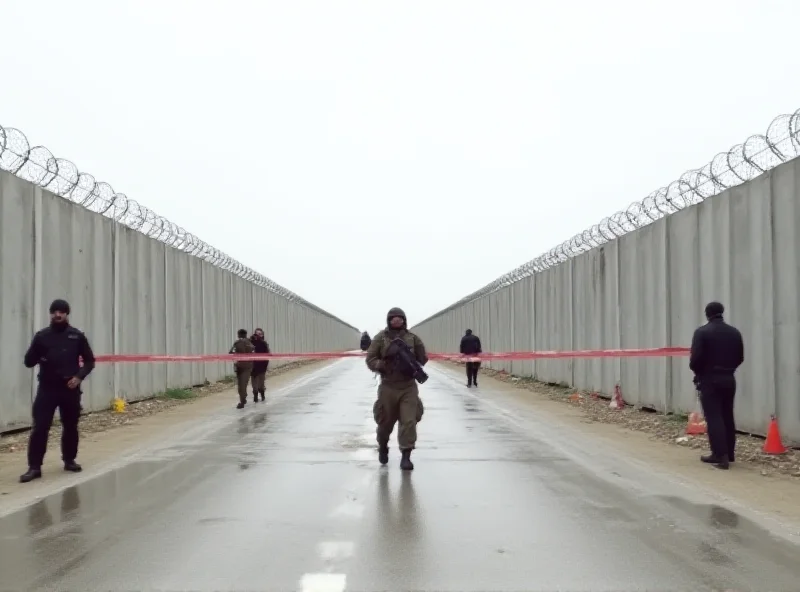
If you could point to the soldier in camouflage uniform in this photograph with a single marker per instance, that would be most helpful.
(398, 394)
(242, 369)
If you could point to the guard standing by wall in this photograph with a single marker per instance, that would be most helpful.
(717, 351)
(398, 394)
(259, 374)
(242, 369)
(471, 345)
(65, 359)
(365, 341)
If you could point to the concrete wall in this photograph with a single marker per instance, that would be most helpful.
(130, 294)
(648, 289)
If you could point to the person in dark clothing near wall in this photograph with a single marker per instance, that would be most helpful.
(470, 345)
(365, 341)
(717, 351)
(258, 378)
(65, 360)
(244, 368)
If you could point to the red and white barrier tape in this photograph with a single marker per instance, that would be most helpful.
(657, 352)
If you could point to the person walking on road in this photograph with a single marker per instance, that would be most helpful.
(717, 351)
(398, 394)
(471, 345)
(65, 360)
(365, 341)
(259, 374)
(242, 369)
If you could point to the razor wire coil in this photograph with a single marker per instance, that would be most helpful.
(60, 176)
(756, 155)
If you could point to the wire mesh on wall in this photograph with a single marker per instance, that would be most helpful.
(758, 154)
(57, 175)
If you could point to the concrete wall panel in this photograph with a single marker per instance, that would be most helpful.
(140, 318)
(644, 316)
(16, 297)
(786, 286)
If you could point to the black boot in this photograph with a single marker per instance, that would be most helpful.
(405, 462)
(383, 454)
(720, 462)
(33, 473)
(262, 395)
(72, 466)
(240, 405)
(255, 397)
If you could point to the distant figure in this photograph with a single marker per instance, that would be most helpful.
(471, 345)
(242, 369)
(258, 377)
(717, 351)
(365, 341)
(65, 360)
(398, 393)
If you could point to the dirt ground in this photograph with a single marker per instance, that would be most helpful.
(670, 429)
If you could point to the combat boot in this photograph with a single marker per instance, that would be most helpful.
(383, 454)
(255, 397)
(405, 462)
(72, 466)
(33, 473)
(262, 395)
(720, 462)
(240, 405)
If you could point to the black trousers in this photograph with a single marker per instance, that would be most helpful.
(717, 398)
(472, 372)
(68, 403)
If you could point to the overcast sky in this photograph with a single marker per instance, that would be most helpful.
(375, 154)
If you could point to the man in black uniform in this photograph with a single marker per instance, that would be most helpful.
(258, 377)
(471, 345)
(366, 340)
(65, 359)
(717, 351)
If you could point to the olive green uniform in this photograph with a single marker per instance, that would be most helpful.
(398, 394)
(244, 368)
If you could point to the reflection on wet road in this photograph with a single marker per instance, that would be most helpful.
(289, 496)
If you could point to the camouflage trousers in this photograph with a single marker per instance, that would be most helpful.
(398, 403)
(242, 380)
(258, 382)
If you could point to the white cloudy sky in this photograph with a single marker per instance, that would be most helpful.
(375, 154)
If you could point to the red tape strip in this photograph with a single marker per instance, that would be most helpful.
(658, 352)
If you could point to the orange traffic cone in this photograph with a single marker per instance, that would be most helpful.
(696, 425)
(616, 401)
(773, 444)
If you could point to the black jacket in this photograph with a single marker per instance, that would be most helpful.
(717, 350)
(262, 347)
(57, 351)
(365, 342)
(471, 344)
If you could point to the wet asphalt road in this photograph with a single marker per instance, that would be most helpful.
(288, 495)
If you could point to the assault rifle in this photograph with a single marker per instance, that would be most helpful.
(409, 365)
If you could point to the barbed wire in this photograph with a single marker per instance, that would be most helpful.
(758, 154)
(62, 177)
